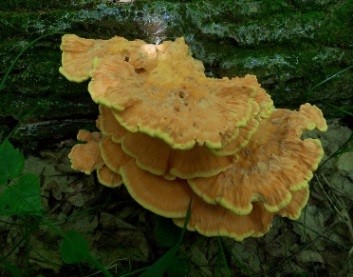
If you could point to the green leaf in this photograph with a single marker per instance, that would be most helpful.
(11, 162)
(21, 198)
(74, 248)
(165, 232)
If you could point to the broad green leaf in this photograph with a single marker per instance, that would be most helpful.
(74, 248)
(165, 232)
(11, 162)
(23, 197)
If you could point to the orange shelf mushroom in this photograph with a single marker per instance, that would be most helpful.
(275, 163)
(159, 86)
(87, 157)
(154, 155)
(157, 157)
(176, 111)
(214, 220)
(172, 198)
(112, 154)
(108, 125)
(79, 53)
(173, 135)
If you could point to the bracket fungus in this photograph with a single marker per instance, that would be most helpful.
(143, 103)
(87, 157)
(275, 163)
(173, 135)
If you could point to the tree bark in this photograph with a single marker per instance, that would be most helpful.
(292, 46)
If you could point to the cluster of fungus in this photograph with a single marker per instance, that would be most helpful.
(173, 137)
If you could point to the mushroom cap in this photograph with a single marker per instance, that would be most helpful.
(214, 220)
(262, 107)
(173, 99)
(108, 177)
(154, 155)
(172, 198)
(262, 98)
(108, 125)
(157, 194)
(211, 220)
(157, 157)
(245, 134)
(275, 163)
(86, 157)
(294, 208)
(79, 53)
(113, 156)
(243, 137)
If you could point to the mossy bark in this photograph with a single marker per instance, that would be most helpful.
(290, 45)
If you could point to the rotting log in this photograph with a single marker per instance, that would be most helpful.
(290, 45)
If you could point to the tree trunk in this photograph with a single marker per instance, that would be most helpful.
(292, 46)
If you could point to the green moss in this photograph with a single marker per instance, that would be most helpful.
(288, 74)
(34, 5)
(335, 30)
(21, 106)
(233, 11)
(305, 5)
